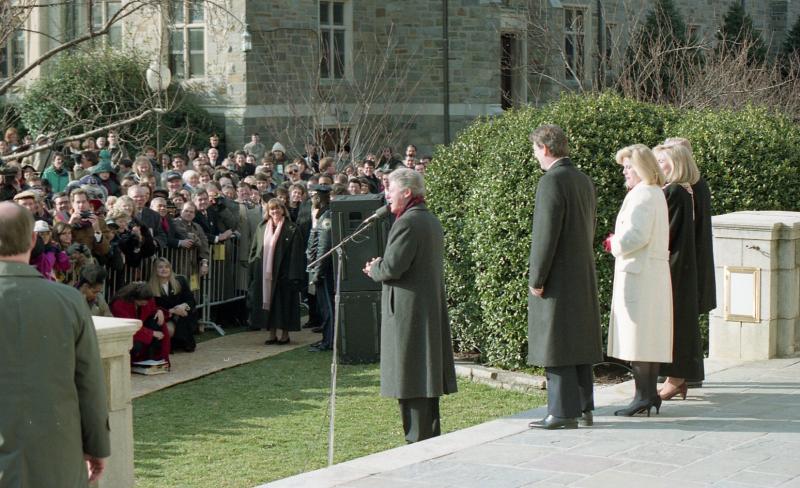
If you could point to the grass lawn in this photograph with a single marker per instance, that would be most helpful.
(268, 419)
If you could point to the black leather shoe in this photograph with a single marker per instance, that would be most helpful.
(319, 348)
(586, 419)
(317, 330)
(271, 341)
(554, 423)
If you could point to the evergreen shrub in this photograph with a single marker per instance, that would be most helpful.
(482, 187)
(85, 90)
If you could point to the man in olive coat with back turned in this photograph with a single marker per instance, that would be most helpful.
(563, 309)
(416, 349)
(53, 413)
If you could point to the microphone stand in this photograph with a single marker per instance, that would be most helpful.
(338, 249)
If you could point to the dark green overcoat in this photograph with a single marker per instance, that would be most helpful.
(288, 275)
(416, 347)
(53, 406)
(564, 324)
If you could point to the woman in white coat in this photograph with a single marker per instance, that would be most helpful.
(641, 305)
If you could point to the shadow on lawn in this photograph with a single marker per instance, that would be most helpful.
(273, 402)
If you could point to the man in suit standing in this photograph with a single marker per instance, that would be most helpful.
(416, 348)
(147, 216)
(53, 411)
(563, 309)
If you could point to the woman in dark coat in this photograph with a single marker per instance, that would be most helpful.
(704, 247)
(675, 162)
(172, 293)
(277, 264)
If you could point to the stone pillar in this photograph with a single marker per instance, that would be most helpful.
(115, 337)
(770, 243)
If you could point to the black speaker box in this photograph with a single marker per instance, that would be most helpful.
(359, 327)
(348, 212)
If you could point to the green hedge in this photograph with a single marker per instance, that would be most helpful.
(482, 186)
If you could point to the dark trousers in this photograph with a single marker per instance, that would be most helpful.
(569, 390)
(325, 307)
(420, 418)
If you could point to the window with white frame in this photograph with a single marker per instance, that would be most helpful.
(574, 42)
(79, 13)
(12, 55)
(334, 25)
(187, 52)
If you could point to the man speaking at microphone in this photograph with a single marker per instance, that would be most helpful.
(416, 349)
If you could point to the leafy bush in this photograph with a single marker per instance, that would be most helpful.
(482, 187)
(750, 158)
(84, 90)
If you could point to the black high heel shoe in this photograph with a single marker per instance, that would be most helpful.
(641, 406)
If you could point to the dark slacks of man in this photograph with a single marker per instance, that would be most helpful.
(416, 349)
(52, 387)
(564, 322)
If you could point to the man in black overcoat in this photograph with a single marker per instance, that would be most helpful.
(563, 309)
(416, 347)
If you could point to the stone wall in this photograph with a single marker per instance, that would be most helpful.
(769, 243)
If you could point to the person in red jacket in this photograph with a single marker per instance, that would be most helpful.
(151, 341)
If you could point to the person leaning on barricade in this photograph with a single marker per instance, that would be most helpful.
(160, 206)
(191, 235)
(208, 219)
(131, 242)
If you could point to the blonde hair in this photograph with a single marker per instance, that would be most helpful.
(121, 201)
(679, 141)
(643, 162)
(116, 213)
(684, 169)
(155, 285)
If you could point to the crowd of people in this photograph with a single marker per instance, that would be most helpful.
(99, 212)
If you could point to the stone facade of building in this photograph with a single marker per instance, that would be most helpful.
(388, 85)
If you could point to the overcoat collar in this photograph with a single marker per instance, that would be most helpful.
(560, 162)
(415, 208)
(9, 268)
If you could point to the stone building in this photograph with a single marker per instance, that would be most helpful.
(368, 72)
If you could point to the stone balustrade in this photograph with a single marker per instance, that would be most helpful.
(115, 338)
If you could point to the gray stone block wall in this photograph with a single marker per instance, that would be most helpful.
(282, 71)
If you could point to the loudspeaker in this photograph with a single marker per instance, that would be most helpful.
(359, 327)
(347, 213)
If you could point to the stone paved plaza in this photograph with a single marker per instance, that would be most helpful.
(742, 429)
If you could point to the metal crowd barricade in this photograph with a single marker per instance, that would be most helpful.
(225, 281)
(184, 262)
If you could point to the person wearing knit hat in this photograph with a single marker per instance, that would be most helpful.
(52, 258)
(105, 172)
(41, 226)
(278, 147)
(280, 161)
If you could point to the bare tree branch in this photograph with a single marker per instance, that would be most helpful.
(61, 141)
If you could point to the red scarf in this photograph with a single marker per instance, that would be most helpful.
(412, 202)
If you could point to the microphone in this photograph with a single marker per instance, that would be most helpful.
(379, 214)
